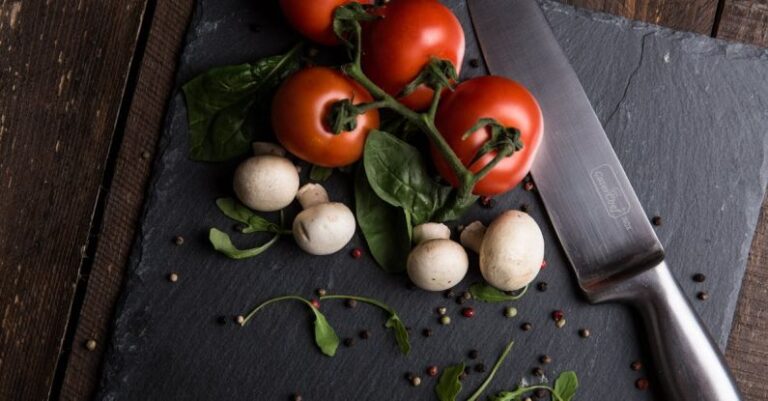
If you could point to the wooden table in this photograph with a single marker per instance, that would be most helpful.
(83, 91)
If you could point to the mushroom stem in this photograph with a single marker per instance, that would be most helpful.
(312, 194)
(472, 236)
(267, 148)
(429, 231)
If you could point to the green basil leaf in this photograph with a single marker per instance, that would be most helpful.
(566, 385)
(490, 376)
(401, 333)
(325, 337)
(220, 99)
(222, 243)
(398, 175)
(385, 227)
(318, 173)
(487, 293)
(448, 386)
(239, 212)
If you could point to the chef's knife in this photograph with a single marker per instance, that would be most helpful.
(600, 223)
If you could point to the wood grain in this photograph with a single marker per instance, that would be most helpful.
(63, 68)
(126, 196)
(686, 15)
(744, 21)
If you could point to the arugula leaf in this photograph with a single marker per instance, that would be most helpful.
(566, 385)
(490, 376)
(325, 338)
(398, 175)
(448, 386)
(222, 243)
(239, 212)
(385, 227)
(486, 293)
(220, 99)
(401, 333)
(318, 173)
(510, 395)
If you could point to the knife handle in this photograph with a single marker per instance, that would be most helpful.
(689, 364)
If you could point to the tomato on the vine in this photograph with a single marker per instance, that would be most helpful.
(397, 46)
(507, 102)
(299, 111)
(314, 18)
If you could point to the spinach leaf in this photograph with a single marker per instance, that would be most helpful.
(239, 212)
(490, 376)
(320, 174)
(487, 293)
(219, 101)
(566, 385)
(325, 338)
(398, 175)
(401, 333)
(448, 386)
(385, 227)
(222, 243)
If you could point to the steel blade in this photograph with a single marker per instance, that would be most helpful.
(590, 202)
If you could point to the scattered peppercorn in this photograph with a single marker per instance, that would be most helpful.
(544, 264)
(349, 341)
(560, 323)
(462, 376)
(448, 294)
(416, 381)
(321, 292)
(545, 359)
(474, 63)
(542, 286)
(409, 376)
(473, 354)
(460, 300)
(173, 277)
(178, 240)
(350, 303)
(466, 295)
(145, 155)
(442, 310)
(656, 220)
(528, 186)
(467, 369)
(699, 277)
(524, 208)
(487, 202)
(540, 393)
(468, 312)
(642, 384)
(432, 370)
(480, 368)
(356, 253)
(297, 397)
(703, 295)
(584, 333)
(365, 334)
(636, 366)
(222, 320)
(558, 315)
(445, 320)
(526, 326)
(426, 332)
(510, 311)
(240, 319)
(90, 345)
(315, 303)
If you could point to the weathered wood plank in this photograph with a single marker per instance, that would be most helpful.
(63, 68)
(126, 196)
(687, 15)
(744, 21)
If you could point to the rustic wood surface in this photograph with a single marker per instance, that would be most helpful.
(63, 66)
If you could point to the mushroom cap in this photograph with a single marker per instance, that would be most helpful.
(428, 231)
(437, 265)
(512, 251)
(266, 183)
(324, 229)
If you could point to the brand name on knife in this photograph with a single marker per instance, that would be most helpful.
(611, 194)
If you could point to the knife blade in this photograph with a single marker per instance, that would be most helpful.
(595, 212)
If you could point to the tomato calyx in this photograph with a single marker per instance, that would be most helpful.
(505, 141)
(342, 116)
(437, 74)
(346, 22)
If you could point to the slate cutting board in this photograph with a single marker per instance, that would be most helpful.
(686, 114)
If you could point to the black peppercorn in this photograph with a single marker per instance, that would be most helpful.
(524, 208)
(427, 332)
(222, 320)
(179, 240)
(584, 333)
(463, 376)
(460, 300)
(540, 393)
(297, 397)
(542, 286)
(349, 341)
(474, 63)
(473, 354)
(365, 334)
(703, 295)
(545, 359)
(448, 294)
(350, 303)
(656, 220)
(526, 326)
(636, 366)
(467, 369)
(537, 371)
(699, 277)
(480, 368)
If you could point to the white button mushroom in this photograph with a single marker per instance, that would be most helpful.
(267, 181)
(436, 263)
(511, 249)
(323, 227)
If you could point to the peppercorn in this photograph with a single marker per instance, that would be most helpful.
(656, 220)
(487, 202)
(468, 312)
(467, 369)
(544, 264)
(178, 240)
(460, 300)
(426, 332)
(642, 384)
(356, 253)
(432, 370)
(297, 397)
(90, 345)
(584, 333)
(526, 326)
(321, 292)
(699, 277)
(473, 354)
(442, 310)
(240, 319)
(545, 359)
(462, 376)
(558, 315)
(542, 286)
(524, 208)
(480, 368)
(350, 303)
(315, 303)
(636, 366)
(466, 295)
(703, 295)
(365, 334)
(173, 277)
(537, 371)
(560, 323)
(448, 294)
(145, 155)
(540, 393)
(409, 376)
(528, 186)
(222, 320)
(527, 399)
(445, 320)
(510, 311)
(349, 341)
(474, 63)
(416, 381)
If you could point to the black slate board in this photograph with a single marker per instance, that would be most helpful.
(686, 114)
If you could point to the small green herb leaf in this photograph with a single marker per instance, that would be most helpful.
(448, 386)
(385, 227)
(490, 376)
(219, 102)
(238, 212)
(510, 395)
(566, 385)
(325, 337)
(401, 333)
(318, 173)
(486, 293)
(222, 243)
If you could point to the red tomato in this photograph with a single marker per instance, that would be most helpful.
(300, 107)
(397, 46)
(314, 18)
(507, 102)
